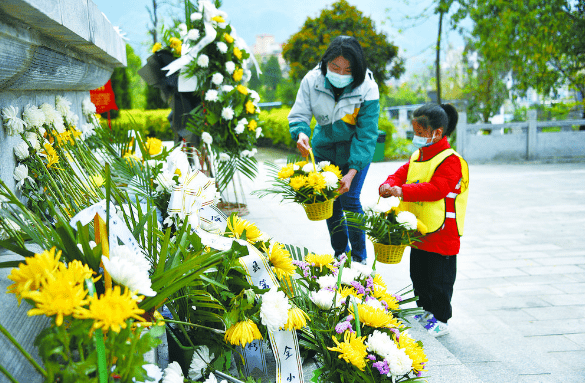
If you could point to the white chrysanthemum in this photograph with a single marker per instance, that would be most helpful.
(21, 150)
(72, 119)
(20, 175)
(212, 379)
(239, 129)
(247, 75)
(224, 157)
(348, 275)
(227, 113)
(324, 299)
(380, 343)
(406, 219)
(196, 16)
(308, 168)
(386, 204)
(274, 309)
(375, 304)
(193, 34)
(52, 117)
(327, 281)
(12, 123)
(87, 107)
(230, 67)
(221, 46)
(254, 151)
(201, 358)
(203, 61)
(182, 29)
(246, 153)
(165, 182)
(154, 372)
(227, 88)
(364, 271)
(322, 164)
(33, 139)
(331, 180)
(206, 137)
(33, 116)
(255, 96)
(211, 95)
(87, 130)
(62, 105)
(258, 132)
(400, 364)
(177, 160)
(173, 374)
(217, 78)
(129, 269)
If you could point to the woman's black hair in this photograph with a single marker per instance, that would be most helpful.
(437, 116)
(350, 49)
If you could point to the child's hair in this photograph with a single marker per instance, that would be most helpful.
(350, 49)
(437, 116)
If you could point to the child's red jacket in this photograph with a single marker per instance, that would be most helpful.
(445, 241)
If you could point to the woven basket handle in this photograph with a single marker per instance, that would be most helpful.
(312, 160)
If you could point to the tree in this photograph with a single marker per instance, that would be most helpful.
(542, 40)
(137, 84)
(272, 76)
(306, 47)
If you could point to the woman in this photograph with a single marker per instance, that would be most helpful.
(343, 97)
(434, 186)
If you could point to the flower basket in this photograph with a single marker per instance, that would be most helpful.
(389, 254)
(320, 210)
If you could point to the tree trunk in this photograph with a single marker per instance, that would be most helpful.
(438, 62)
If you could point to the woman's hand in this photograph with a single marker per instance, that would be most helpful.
(303, 144)
(387, 191)
(345, 182)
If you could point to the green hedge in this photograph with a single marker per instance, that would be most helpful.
(150, 123)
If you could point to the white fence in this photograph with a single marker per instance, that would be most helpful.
(520, 140)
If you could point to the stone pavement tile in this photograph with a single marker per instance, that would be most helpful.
(492, 372)
(512, 314)
(578, 338)
(465, 324)
(525, 290)
(563, 260)
(555, 377)
(550, 343)
(575, 288)
(563, 269)
(483, 243)
(468, 257)
(541, 279)
(468, 265)
(511, 263)
(491, 273)
(576, 277)
(549, 327)
(573, 360)
(450, 374)
(488, 250)
(514, 302)
(565, 300)
(556, 312)
(523, 255)
(535, 247)
(465, 349)
(466, 284)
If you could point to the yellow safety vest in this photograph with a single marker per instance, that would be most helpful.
(433, 213)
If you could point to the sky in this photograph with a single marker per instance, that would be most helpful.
(415, 39)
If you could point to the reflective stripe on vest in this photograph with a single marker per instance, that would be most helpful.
(433, 213)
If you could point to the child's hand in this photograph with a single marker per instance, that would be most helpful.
(388, 191)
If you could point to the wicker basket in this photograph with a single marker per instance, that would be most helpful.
(320, 210)
(390, 254)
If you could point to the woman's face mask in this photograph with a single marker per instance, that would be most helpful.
(339, 72)
(423, 136)
(339, 80)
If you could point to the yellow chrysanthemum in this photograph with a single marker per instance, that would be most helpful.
(237, 226)
(252, 125)
(174, 42)
(242, 333)
(98, 180)
(75, 133)
(60, 294)
(376, 317)
(111, 310)
(300, 164)
(29, 274)
(64, 137)
(333, 169)
(179, 49)
(280, 258)
(218, 19)
(286, 171)
(238, 74)
(76, 272)
(51, 155)
(316, 181)
(378, 280)
(129, 156)
(156, 47)
(228, 38)
(250, 108)
(298, 182)
(154, 145)
(297, 319)
(346, 291)
(414, 350)
(352, 349)
(320, 260)
(238, 53)
(242, 89)
(381, 294)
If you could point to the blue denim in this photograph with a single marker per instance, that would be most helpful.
(343, 238)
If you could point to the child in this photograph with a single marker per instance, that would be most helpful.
(433, 185)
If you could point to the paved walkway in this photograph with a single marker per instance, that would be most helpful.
(519, 302)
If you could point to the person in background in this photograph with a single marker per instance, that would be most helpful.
(434, 186)
(343, 97)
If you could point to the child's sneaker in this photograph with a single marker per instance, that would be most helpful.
(424, 317)
(437, 328)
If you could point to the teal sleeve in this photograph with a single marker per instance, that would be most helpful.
(299, 127)
(363, 143)
(301, 112)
